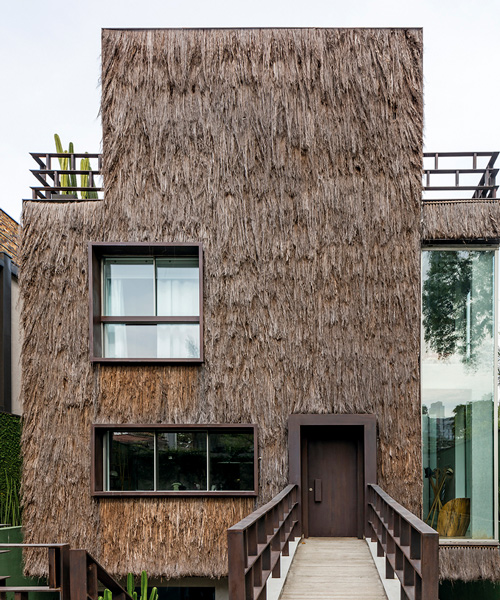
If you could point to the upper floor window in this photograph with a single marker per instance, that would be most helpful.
(146, 303)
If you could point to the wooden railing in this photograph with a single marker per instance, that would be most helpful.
(74, 574)
(256, 543)
(87, 575)
(58, 579)
(410, 546)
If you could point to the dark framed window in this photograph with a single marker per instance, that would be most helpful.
(146, 302)
(174, 460)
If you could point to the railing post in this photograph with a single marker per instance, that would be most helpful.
(430, 566)
(78, 578)
(236, 564)
(92, 582)
(64, 572)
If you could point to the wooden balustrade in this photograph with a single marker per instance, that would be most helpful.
(410, 546)
(74, 574)
(257, 542)
(58, 569)
(87, 576)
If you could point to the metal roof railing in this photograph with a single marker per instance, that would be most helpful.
(452, 176)
(62, 184)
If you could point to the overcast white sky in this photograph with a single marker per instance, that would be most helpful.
(50, 65)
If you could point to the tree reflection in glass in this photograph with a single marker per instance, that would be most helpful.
(458, 381)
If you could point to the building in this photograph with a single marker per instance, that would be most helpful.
(253, 270)
(10, 341)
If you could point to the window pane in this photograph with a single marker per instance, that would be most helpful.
(179, 340)
(458, 379)
(178, 287)
(152, 341)
(131, 460)
(130, 341)
(129, 287)
(231, 461)
(182, 461)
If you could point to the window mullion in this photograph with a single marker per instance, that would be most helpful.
(106, 459)
(208, 465)
(155, 462)
(155, 287)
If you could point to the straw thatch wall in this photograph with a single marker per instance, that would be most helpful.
(461, 221)
(462, 563)
(295, 157)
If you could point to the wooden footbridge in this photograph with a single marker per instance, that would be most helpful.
(333, 568)
(323, 568)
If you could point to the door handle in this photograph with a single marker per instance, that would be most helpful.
(317, 490)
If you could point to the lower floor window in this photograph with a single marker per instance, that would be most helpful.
(165, 460)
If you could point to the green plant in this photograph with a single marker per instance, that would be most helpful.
(66, 180)
(107, 595)
(85, 179)
(69, 179)
(131, 589)
(10, 507)
(10, 469)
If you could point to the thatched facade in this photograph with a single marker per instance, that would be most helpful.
(461, 221)
(294, 156)
(469, 563)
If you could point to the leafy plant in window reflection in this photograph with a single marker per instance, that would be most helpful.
(192, 348)
(449, 296)
(131, 456)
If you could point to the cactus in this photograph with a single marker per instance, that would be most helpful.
(130, 587)
(85, 166)
(63, 162)
(154, 594)
(144, 588)
(107, 595)
(72, 176)
(69, 180)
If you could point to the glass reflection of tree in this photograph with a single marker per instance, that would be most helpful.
(456, 317)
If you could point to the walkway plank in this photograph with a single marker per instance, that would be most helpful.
(333, 569)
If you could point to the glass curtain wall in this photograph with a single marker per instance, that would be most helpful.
(458, 391)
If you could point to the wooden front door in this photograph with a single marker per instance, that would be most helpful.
(333, 481)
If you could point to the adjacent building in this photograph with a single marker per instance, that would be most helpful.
(10, 341)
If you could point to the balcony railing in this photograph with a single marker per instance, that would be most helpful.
(459, 177)
(62, 184)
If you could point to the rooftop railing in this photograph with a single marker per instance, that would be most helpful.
(459, 177)
(447, 177)
(62, 184)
